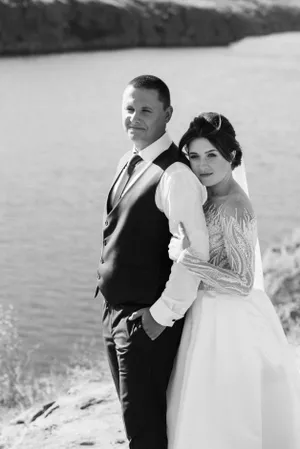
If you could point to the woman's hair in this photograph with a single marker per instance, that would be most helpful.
(219, 131)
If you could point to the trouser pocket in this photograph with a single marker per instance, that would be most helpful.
(134, 326)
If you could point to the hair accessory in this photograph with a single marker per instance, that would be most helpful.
(210, 118)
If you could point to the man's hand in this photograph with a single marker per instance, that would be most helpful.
(151, 327)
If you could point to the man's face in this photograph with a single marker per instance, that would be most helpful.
(144, 116)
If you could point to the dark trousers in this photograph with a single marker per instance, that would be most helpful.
(141, 369)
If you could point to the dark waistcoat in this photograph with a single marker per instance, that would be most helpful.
(134, 265)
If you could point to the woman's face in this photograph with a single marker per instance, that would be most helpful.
(207, 163)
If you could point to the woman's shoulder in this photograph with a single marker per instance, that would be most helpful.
(238, 206)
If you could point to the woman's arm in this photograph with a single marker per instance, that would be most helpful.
(239, 228)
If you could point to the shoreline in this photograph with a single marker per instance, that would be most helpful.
(31, 27)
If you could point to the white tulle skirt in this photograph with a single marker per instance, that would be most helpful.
(235, 384)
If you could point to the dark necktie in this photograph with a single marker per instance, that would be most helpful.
(125, 176)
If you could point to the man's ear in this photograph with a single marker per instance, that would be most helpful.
(168, 113)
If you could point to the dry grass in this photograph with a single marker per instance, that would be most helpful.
(21, 387)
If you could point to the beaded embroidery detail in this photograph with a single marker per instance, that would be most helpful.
(232, 238)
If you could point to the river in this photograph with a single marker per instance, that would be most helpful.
(61, 138)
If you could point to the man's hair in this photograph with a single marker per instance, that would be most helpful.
(153, 83)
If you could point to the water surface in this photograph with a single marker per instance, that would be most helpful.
(61, 138)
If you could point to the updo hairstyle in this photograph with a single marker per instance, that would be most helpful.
(219, 131)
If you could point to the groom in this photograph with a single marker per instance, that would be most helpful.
(153, 191)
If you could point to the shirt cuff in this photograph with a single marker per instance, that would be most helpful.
(162, 313)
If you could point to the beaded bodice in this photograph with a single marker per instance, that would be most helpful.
(232, 237)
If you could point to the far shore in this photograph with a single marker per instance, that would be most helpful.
(30, 27)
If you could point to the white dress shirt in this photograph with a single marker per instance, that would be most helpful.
(180, 196)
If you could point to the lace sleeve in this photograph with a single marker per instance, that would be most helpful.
(239, 233)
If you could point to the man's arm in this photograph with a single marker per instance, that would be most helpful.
(181, 196)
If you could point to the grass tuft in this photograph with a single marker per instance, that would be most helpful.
(21, 387)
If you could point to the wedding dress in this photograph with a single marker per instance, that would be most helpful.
(235, 384)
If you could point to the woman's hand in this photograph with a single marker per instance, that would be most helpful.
(178, 244)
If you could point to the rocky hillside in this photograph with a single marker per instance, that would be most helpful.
(34, 27)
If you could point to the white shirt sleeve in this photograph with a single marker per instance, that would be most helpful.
(180, 195)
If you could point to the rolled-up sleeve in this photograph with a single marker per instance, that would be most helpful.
(181, 196)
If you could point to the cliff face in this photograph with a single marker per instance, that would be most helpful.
(29, 26)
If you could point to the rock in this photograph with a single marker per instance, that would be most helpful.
(30, 415)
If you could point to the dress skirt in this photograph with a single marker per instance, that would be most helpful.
(235, 383)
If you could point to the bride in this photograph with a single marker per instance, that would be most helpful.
(235, 384)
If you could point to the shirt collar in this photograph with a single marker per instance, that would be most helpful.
(151, 152)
